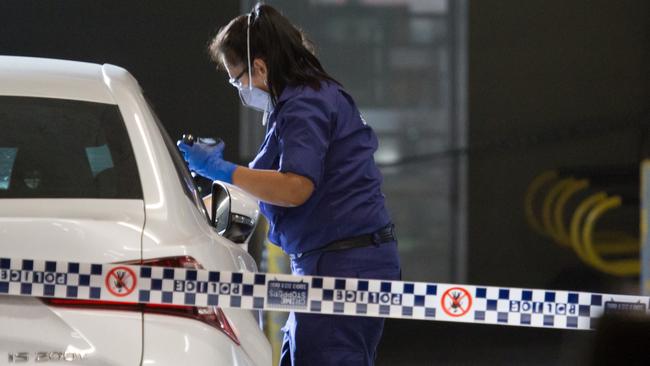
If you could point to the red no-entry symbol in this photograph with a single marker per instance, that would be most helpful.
(456, 301)
(121, 281)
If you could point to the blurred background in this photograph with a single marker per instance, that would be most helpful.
(511, 134)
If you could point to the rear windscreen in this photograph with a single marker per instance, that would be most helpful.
(57, 148)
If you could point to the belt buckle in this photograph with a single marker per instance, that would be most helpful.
(384, 235)
(376, 238)
(392, 231)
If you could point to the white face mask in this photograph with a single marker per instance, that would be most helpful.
(251, 96)
(255, 98)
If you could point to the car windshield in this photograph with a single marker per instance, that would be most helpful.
(57, 148)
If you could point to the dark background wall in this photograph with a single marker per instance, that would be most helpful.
(551, 84)
(162, 43)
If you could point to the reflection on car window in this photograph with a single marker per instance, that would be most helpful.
(99, 159)
(189, 187)
(7, 158)
(61, 148)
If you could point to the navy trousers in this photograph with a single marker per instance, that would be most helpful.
(324, 340)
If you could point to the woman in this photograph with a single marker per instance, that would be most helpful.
(314, 175)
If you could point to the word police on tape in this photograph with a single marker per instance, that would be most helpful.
(309, 294)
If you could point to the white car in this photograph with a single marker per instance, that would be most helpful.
(88, 174)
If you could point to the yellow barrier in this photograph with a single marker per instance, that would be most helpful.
(621, 267)
(562, 234)
(576, 220)
(529, 200)
(278, 262)
(591, 247)
(615, 243)
(547, 207)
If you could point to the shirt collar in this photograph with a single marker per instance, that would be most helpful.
(289, 92)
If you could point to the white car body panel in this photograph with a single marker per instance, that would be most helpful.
(165, 223)
(91, 333)
(41, 228)
(37, 77)
(191, 347)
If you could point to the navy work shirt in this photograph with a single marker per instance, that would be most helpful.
(321, 135)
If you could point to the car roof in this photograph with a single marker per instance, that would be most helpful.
(51, 78)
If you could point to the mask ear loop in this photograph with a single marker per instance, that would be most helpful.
(248, 50)
(250, 76)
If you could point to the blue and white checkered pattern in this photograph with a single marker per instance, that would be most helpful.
(68, 280)
(321, 295)
(538, 308)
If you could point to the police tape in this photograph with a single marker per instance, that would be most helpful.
(120, 283)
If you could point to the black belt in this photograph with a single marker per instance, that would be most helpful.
(383, 235)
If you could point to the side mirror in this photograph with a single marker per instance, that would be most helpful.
(220, 210)
(233, 213)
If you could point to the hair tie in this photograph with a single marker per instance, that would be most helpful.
(255, 13)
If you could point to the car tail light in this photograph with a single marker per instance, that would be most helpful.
(212, 316)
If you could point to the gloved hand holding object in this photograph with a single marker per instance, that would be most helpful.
(205, 157)
(189, 139)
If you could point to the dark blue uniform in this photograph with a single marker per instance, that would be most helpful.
(320, 134)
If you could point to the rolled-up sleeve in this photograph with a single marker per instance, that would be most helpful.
(304, 132)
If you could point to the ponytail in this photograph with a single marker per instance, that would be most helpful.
(285, 49)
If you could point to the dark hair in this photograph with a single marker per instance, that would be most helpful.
(286, 50)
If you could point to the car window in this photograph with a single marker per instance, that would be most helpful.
(58, 148)
(187, 182)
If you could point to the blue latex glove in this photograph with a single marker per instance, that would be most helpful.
(207, 160)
